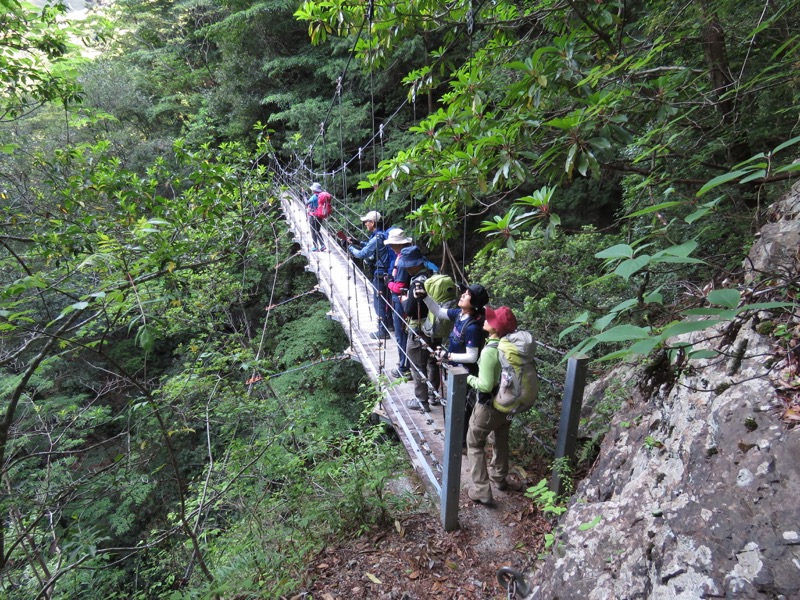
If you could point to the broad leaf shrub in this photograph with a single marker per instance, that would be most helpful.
(545, 283)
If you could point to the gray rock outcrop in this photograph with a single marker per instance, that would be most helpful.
(696, 491)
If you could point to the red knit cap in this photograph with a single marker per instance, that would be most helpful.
(502, 320)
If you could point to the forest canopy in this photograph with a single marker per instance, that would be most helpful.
(599, 166)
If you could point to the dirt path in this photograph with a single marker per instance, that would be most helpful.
(413, 558)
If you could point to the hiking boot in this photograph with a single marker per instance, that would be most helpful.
(417, 405)
(434, 401)
(473, 495)
(401, 374)
(379, 335)
(506, 485)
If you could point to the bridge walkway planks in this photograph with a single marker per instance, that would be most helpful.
(350, 294)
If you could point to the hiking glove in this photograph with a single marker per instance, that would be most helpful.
(419, 291)
(441, 354)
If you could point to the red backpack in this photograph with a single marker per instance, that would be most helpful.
(323, 205)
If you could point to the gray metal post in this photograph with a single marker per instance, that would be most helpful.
(454, 432)
(570, 414)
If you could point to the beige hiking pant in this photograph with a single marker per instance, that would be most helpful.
(484, 420)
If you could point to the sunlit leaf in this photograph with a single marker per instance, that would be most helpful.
(688, 327)
(725, 297)
(622, 333)
(618, 251)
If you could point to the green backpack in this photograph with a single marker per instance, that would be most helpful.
(443, 289)
(519, 383)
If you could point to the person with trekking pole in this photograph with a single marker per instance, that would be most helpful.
(419, 347)
(399, 279)
(467, 337)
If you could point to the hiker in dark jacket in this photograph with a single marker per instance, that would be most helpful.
(485, 418)
(398, 286)
(419, 347)
(376, 253)
(467, 338)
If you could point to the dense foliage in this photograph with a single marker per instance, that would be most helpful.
(596, 164)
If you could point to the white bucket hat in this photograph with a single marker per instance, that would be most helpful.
(398, 237)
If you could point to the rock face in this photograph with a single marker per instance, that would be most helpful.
(778, 244)
(696, 492)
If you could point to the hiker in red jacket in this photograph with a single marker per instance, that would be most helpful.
(314, 220)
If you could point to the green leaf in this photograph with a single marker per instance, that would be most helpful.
(764, 306)
(568, 330)
(720, 179)
(600, 143)
(788, 168)
(654, 208)
(623, 333)
(640, 348)
(699, 213)
(632, 265)
(625, 305)
(618, 251)
(604, 321)
(760, 174)
(654, 297)
(684, 249)
(688, 327)
(145, 339)
(720, 313)
(727, 297)
(678, 260)
(591, 524)
(699, 354)
(643, 347)
(786, 144)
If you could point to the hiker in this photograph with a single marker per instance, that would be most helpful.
(314, 217)
(467, 338)
(376, 254)
(398, 286)
(419, 347)
(485, 418)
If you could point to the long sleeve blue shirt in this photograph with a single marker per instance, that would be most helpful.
(374, 250)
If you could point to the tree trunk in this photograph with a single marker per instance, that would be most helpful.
(722, 85)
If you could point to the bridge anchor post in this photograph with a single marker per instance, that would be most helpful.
(570, 417)
(454, 434)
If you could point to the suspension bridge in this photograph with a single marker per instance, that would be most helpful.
(351, 296)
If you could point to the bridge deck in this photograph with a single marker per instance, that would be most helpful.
(350, 294)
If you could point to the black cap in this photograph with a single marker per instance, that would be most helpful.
(478, 296)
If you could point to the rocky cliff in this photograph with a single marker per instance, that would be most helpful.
(696, 492)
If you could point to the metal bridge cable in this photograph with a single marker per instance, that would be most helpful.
(310, 151)
(341, 138)
(269, 376)
(266, 319)
(301, 163)
(464, 238)
(441, 58)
